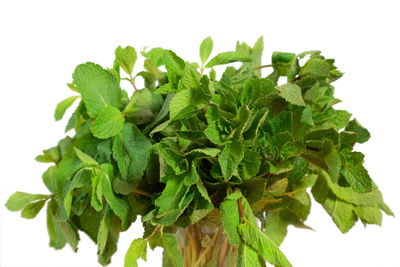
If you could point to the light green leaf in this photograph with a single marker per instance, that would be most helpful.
(20, 200)
(131, 149)
(264, 246)
(275, 227)
(247, 256)
(172, 256)
(291, 93)
(372, 198)
(109, 123)
(230, 219)
(63, 106)
(227, 57)
(206, 47)
(119, 206)
(85, 158)
(98, 87)
(250, 164)
(306, 116)
(173, 195)
(230, 158)
(127, 58)
(371, 215)
(32, 209)
(137, 249)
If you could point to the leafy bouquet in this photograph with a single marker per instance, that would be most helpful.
(217, 168)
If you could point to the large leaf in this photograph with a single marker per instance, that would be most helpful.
(131, 149)
(109, 122)
(264, 246)
(230, 158)
(98, 87)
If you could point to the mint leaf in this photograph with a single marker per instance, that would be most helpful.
(20, 200)
(119, 206)
(264, 246)
(363, 134)
(109, 123)
(98, 87)
(206, 47)
(172, 256)
(131, 149)
(137, 249)
(247, 257)
(357, 176)
(227, 57)
(230, 219)
(126, 58)
(32, 209)
(63, 106)
(230, 158)
(291, 93)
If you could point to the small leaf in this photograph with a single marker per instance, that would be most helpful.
(355, 126)
(126, 57)
(230, 219)
(20, 200)
(291, 93)
(227, 57)
(31, 210)
(137, 249)
(85, 158)
(109, 123)
(206, 49)
(230, 158)
(63, 106)
(265, 247)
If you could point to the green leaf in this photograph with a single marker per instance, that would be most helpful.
(63, 106)
(264, 246)
(98, 87)
(174, 66)
(371, 215)
(85, 158)
(173, 195)
(230, 219)
(126, 58)
(119, 206)
(57, 239)
(340, 211)
(50, 155)
(227, 57)
(291, 93)
(247, 256)
(355, 126)
(32, 209)
(19, 200)
(206, 47)
(250, 164)
(357, 176)
(131, 149)
(306, 116)
(137, 249)
(230, 158)
(275, 227)
(172, 256)
(109, 123)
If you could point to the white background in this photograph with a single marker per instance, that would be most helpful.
(43, 41)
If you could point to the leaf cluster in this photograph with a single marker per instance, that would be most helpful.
(191, 148)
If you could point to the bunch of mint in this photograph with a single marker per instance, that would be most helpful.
(190, 148)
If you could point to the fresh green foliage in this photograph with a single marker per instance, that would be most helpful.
(196, 148)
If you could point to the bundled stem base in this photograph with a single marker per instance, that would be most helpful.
(204, 245)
